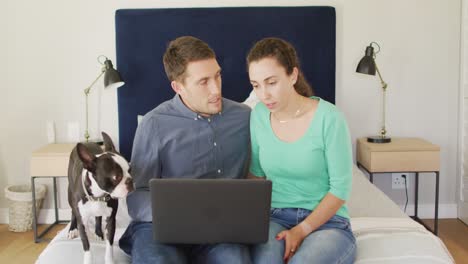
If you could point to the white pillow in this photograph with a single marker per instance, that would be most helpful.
(139, 118)
(252, 100)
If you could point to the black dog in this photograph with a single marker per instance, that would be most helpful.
(96, 179)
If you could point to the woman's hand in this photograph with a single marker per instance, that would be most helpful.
(293, 239)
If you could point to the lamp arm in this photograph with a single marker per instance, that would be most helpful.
(384, 84)
(383, 130)
(86, 92)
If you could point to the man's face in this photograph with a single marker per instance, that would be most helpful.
(201, 89)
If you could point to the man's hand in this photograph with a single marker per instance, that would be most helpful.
(293, 239)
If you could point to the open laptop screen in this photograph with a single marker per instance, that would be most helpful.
(201, 211)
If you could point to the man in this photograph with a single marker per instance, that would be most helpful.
(197, 134)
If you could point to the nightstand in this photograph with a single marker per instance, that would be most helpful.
(50, 161)
(402, 155)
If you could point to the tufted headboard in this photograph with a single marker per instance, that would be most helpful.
(142, 36)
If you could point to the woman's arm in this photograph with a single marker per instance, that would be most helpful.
(255, 166)
(325, 210)
(250, 176)
(338, 155)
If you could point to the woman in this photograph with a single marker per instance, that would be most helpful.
(301, 143)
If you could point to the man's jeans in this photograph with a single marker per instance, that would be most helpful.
(333, 242)
(137, 241)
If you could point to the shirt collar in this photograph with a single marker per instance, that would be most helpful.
(182, 108)
(187, 112)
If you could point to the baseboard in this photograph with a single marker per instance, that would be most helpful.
(463, 208)
(46, 216)
(426, 211)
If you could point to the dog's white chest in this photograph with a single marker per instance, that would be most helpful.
(94, 208)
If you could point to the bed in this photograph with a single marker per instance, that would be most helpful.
(384, 233)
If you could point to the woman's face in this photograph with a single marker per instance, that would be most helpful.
(272, 85)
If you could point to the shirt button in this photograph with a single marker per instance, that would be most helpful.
(214, 144)
(195, 118)
(209, 120)
(199, 116)
(219, 171)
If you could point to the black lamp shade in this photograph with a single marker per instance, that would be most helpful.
(112, 77)
(367, 63)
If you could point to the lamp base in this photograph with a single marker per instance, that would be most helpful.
(379, 139)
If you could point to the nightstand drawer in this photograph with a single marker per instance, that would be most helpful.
(400, 161)
(49, 166)
(401, 155)
(51, 160)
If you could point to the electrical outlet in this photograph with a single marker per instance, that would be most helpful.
(398, 182)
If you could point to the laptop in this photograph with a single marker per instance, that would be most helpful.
(204, 211)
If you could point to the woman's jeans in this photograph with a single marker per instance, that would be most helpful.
(333, 242)
(137, 241)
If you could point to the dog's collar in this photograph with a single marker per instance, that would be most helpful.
(105, 198)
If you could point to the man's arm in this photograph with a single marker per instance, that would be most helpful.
(145, 164)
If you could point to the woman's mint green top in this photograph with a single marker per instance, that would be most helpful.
(304, 171)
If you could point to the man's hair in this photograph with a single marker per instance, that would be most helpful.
(180, 52)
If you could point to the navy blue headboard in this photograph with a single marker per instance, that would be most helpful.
(142, 36)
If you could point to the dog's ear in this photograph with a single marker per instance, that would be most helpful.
(108, 144)
(88, 159)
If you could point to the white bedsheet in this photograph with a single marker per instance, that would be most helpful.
(384, 234)
(396, 240)
(379, 239)
(62, 250)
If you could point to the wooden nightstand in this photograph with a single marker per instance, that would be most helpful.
(50, 161)
(402, 155)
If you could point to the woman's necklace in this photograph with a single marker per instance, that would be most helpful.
(296, 114)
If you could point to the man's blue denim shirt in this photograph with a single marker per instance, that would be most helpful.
(174, 142)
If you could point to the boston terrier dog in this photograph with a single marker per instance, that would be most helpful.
(96, 179)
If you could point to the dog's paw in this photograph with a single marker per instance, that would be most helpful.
(87, 258)
(109, 257)
(73, 234)
(109, 261)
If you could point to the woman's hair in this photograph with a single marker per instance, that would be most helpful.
(286, 56)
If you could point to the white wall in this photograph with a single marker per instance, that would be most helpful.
(463, 137)
(48, 53)
(420, 62)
